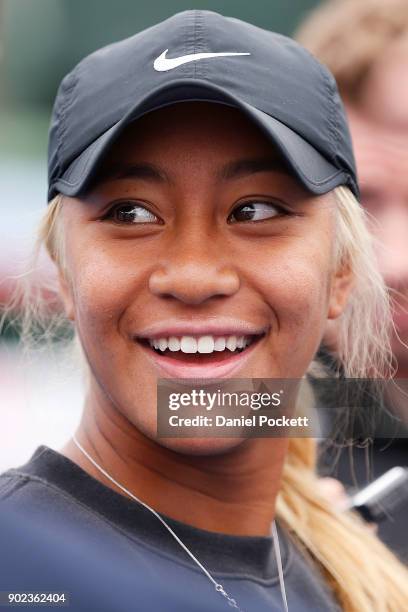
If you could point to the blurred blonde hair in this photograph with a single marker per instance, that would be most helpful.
(363, 574)
(350, 35)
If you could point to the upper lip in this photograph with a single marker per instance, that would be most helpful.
(216, 327)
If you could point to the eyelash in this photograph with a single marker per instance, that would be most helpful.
(127, 203)
(281, 211)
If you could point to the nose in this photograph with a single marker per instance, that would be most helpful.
(194, 270)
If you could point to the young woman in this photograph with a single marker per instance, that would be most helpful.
(203, 200)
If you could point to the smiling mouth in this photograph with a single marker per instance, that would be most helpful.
(200, 350)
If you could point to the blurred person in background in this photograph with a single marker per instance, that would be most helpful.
(365, 45)
(159, 149)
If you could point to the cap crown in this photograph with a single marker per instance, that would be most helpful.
(276, 76)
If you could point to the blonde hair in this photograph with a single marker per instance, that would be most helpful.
(363, 574)
(349, 36)
(364, 328)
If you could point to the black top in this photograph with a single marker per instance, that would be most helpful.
(64, 529)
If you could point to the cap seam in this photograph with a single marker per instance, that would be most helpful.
(59, 116)
(334, 113)
(204, 47)
(323, 71)
(188, 69)
(195, 41)
(332, 128)
(64, 107)
(199, 67)
(349, 178)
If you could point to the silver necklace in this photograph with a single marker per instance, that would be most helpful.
(218, 586)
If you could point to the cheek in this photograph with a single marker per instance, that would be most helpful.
(103, 287)
(296, 289)
(298, 295)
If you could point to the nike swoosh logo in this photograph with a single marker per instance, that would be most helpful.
(163, 63)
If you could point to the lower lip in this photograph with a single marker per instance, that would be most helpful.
(222, 369)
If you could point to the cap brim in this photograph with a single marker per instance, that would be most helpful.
(312, 169)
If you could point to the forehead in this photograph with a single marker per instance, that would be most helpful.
(216, 130)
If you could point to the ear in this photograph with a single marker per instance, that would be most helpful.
(65, 292)
(341, 286)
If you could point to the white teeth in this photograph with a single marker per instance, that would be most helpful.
(219, 344)
(174, 343)
(241, 342)
(203, 344)
(232, 343)
(162, 344)
(188, 344)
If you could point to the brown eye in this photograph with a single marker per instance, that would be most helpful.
(256, 211)
(131, 213)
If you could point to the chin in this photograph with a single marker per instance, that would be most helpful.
(200, 446)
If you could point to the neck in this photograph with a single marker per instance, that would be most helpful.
(233, 492)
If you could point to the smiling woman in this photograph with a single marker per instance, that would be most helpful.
(141, 241)
(197, 236)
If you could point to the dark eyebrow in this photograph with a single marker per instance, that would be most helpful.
(243, 167)
(143, 170)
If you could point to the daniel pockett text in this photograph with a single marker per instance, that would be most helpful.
(231, 408)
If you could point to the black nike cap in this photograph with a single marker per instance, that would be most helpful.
(201, 55)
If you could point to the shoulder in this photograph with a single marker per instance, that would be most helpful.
(37, 491)
(19, 485)
(10, 483)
